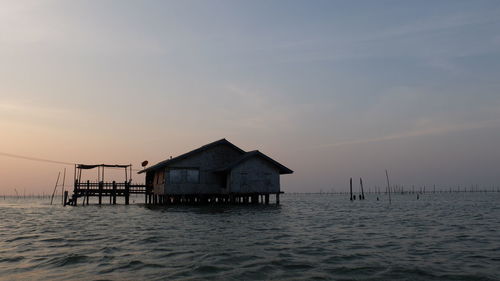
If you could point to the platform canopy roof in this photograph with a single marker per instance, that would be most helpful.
(87, 167)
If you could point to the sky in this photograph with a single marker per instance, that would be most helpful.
(330, 89)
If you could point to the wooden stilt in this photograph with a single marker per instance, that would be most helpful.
(127, 193)
(100, 192)
(114, 193)
(87, 194)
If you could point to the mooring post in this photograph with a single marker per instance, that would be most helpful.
(65, 197)
(362, 191)
(350, 187)
(87, 193)
(127, 193)
(75, 186)
(114, 193)
(100, 192)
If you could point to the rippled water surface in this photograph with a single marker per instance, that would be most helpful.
(310, 236)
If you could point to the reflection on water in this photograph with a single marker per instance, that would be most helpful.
(439, 237)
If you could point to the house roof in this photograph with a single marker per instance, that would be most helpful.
(282, 169)
(192, 152)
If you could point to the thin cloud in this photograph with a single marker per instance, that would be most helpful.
(418, 133)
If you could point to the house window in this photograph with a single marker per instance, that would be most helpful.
(189, 175)
(192, 175)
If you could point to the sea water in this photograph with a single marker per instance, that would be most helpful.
(440, 236)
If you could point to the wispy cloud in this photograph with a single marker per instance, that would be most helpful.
(418, 133)
(29, 108)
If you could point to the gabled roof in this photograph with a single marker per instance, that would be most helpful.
(192, 152)
(282, 169)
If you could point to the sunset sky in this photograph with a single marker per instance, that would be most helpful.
(331, 89)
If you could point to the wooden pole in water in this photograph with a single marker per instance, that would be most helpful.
(388, 186)
(350, 187)
(65, 197)
(100, 192)
(114, 193)
(62, 188)
(127, 193)
(362, 191)
(87, 193)
(55, 187)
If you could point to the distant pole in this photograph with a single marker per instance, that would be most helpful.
(62, 188)
(388, 186)
(362, 191)
(350, 184)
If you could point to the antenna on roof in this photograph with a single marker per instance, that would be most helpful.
(144, 163)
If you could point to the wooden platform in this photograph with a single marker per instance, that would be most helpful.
(104, 189)
(101, 188)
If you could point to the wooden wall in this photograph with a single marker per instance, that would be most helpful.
(254, 175)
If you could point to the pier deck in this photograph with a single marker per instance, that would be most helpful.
(112, 190)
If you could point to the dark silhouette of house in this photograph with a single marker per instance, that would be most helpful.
(218, 168)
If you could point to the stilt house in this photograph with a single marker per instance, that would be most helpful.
(218, 168)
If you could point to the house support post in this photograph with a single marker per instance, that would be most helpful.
(87, 193)
(127, 193)
(100, 192)
(114, 193)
